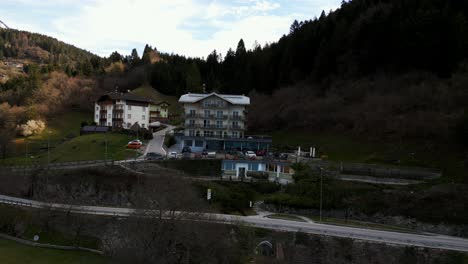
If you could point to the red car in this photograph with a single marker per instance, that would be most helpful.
(134, 145)
(261, 152)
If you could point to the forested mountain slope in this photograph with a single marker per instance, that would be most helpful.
(47, 51)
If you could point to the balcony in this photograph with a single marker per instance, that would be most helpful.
(214, 126)
(213, 105)
(237, 117)
(237, 127)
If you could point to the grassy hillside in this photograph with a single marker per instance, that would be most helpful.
(15, 253)
(346, 148)
(62, 133)
(148, 91)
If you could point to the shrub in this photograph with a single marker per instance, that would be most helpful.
(258, 174)
(32, 127)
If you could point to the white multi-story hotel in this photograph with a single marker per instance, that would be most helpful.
(124, 110)
(215, 115)
(218, 122)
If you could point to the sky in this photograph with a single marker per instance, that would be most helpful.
(188, 27)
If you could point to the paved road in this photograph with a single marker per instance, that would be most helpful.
(156, 144)
(429, 241)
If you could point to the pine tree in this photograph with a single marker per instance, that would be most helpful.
(134, 59)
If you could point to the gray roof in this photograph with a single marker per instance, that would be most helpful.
(95, 129)
(126, 96)
(233, 99)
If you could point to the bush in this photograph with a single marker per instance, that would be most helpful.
(258, 175)
(170, 140)
(32, 127)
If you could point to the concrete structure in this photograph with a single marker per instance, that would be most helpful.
(126, 110)
(276, 171)
(218, 122)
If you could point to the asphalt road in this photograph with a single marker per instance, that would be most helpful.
(156, 144)
(420, 240)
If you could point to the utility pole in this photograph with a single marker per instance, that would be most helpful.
(105, 162)
(321, 191)
(48, 148)
(26, 140)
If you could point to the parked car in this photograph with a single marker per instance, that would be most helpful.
(153, 156)
(261, 152)
(250, 154)
(209, 154)
(133, 145)
(136, 141)
(186, 150)
(173, 155)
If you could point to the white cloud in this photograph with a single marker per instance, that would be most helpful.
(175, 26)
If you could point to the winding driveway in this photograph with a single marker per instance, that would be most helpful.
(157, 143)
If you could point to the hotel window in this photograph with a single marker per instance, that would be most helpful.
(192, 112)
(144, 109)
(206, 133)
(235, 134)
(129, 107)
(235, 124)
(219, 124)
(219, 114)
(191, 133)
(192, 122)
(97, 116)
(207, 113)
(97, 108)
(235, 114)
(129, 116)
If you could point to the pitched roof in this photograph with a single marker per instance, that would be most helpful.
(233, 99)
(127, 96)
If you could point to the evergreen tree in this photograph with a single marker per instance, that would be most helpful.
(134, 59)
(240, 51)
(295, 26)
(146, 58)
(193, 79)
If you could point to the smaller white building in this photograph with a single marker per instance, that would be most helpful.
(122, 110)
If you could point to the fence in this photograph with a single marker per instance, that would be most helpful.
(379, 171)
(51, 246)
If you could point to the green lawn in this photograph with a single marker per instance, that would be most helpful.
(64, 126)
(351, 149)
(86, 147)
(15, 253)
